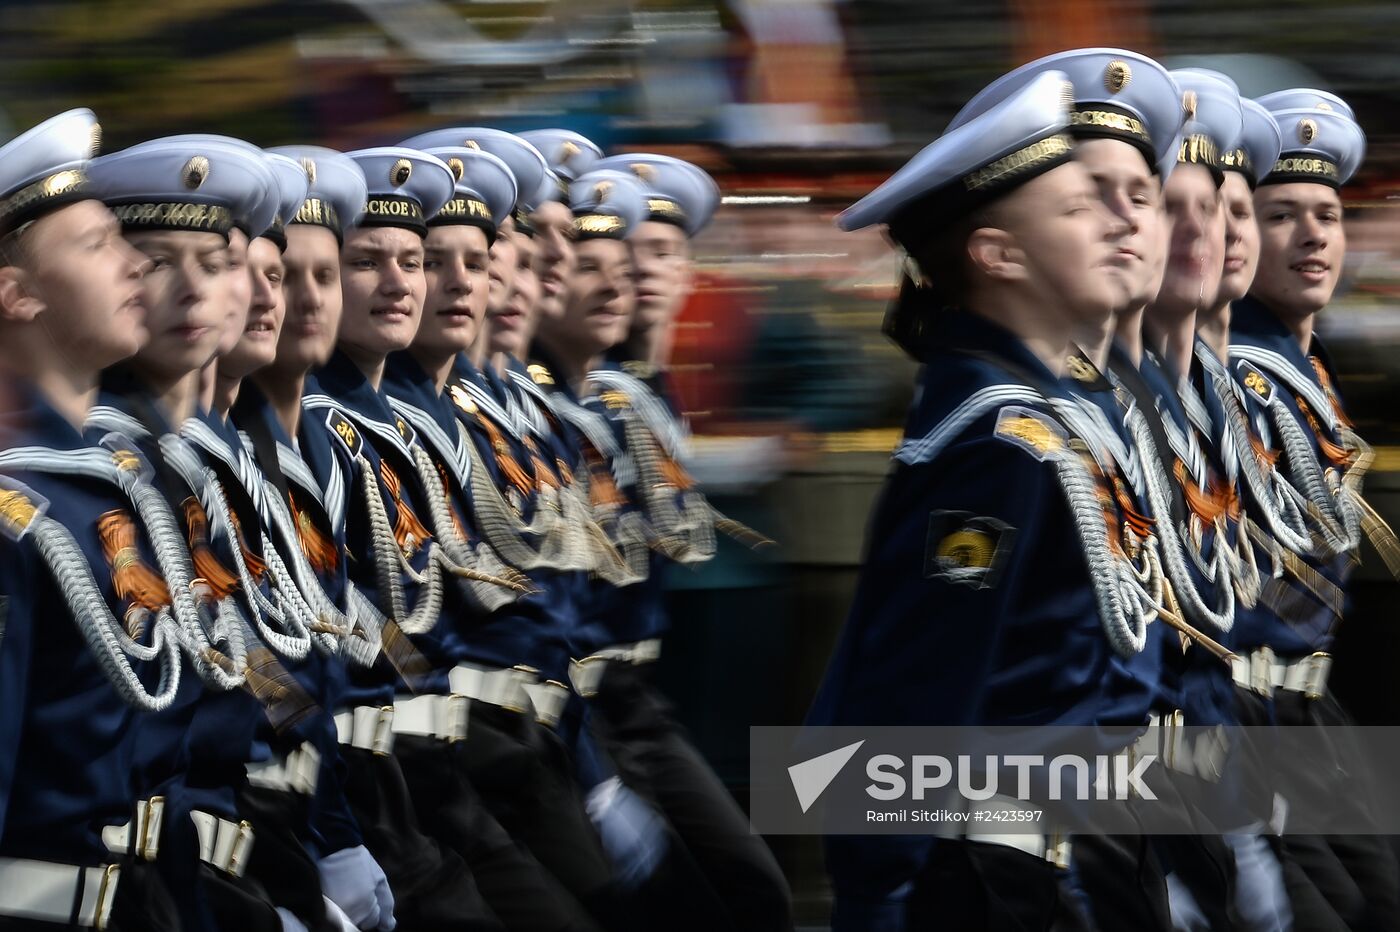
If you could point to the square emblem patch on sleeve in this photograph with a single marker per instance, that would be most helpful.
(966, 549)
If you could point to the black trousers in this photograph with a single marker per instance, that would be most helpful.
(141, 904)
(1335, 881)
(279, 860)
(967, 885)
(433, 887)
(520, 891)
(656, 759)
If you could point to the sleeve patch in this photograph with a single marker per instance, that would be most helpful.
(966, 549)
(1256, 383)
(19, 507)
(345, 432)
(1032, 431)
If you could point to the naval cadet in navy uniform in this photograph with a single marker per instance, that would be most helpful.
(75, 849)
(1297, 411)
(268, 412)
(540, 866)
(567, 155)
(1013, 249)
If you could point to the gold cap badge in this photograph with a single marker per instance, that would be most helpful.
(457, 168)
(194, 173)
(308, 165)
(1117, 75)
(400, 173)
(568, 150)
(470, 144)
(643, 171)
(1188, 104)
(1307, 131)
(601, 190)
(95, 140)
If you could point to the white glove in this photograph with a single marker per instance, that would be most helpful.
(633, 835)
(354, 880)
(290, 923)
(337, 916)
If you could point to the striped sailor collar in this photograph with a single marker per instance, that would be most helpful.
(405, 379)
(1253, 324)
(341, 380)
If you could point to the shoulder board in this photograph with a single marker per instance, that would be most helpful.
(126, 457)
(347, 433)
(461, 399)
(19, 506)
(615, 400)
(540, 374)
(1031, 430)
(639, 369)
(405, 430)
(1256, 383)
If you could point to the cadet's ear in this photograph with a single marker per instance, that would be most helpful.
(995, 254)
(17, 303)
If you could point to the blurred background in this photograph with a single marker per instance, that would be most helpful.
(797, 107)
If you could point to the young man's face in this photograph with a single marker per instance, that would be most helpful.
(1193, 211)
(661, 255)
(89, 281)
(513, 326)
(381, 277)
(1302, 247)
(311, 290)
(502, 266)
(1241, 238)
(598, 302)
(1068, 242)
(186, 298)
(240, 291)
(456, 261)
(258, 346)
(554, 224)
(1132, 192)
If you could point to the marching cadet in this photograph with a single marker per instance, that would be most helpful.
(655, 756)
(296, 785)
(1126, 118)
(681, 199)
(297, 472)
(982, 517)
(76, 838)
(525, 510)
(568, 156)
(1299, 422)
(196, 751)
(396, 567)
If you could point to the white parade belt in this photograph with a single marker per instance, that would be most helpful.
(587, 673)
(1263, 673)
(56, 893)
(1052, 846)
(223, 845)
(296, 772)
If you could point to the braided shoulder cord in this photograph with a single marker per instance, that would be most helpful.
(458, 554)
(390, 564)
(106, 638)
(290, 611)
(1275, 497)
(1335, 517)
(1173, 542)
(1125, 606)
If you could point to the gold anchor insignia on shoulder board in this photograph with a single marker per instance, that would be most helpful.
(614, 399)
(126, 461)
(1257, 383)
(461, 399)
(345, 431)
(17, 511)
(1029, 430)
(539, 374)
(1081, 369)
(405, 431)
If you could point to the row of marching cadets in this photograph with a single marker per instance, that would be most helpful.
(1127, 495)
(334, 525)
